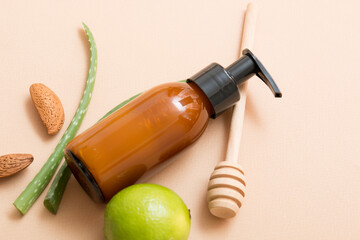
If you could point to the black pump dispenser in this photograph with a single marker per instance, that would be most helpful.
(221, 85)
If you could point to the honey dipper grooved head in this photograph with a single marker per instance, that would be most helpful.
(226, 189)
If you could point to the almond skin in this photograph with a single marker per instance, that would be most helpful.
(48, 106)
(13, 163)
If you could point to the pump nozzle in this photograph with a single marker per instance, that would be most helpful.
(247, 66)
(221, 85)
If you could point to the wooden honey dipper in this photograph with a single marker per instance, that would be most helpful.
(226, 188)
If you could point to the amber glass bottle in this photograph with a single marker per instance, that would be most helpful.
(153, 127)
(118, 150)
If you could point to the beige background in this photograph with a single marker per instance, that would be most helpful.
(301, 153)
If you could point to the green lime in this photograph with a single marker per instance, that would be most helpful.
(147, 212)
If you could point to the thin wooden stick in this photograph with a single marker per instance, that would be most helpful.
(226, 188)
(232, 154)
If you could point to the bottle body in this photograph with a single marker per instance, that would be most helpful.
(118, 150)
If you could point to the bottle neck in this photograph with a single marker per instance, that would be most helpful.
(209, 108)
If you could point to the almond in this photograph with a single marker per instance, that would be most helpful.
(13, 163)
(48, 106)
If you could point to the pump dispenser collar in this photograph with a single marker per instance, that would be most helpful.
(221, 85)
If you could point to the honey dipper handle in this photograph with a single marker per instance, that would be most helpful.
(248, 34)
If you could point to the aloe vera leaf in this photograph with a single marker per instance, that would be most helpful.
(41, 180)
(57, 188)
